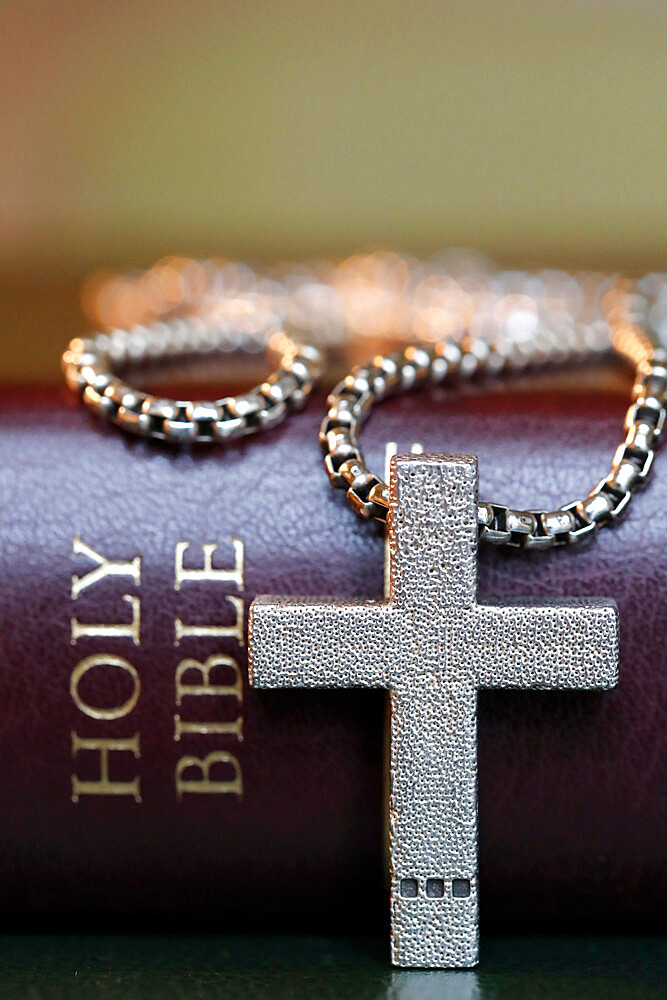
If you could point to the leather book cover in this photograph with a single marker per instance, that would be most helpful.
(144, 784)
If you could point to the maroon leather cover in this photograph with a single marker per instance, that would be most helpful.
(571, 790)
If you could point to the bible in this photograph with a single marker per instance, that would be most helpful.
(144, 783)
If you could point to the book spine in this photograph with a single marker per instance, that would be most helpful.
(143, 779)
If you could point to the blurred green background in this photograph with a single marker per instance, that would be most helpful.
(536, 132)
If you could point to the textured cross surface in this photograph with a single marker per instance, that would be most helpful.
(433, 646)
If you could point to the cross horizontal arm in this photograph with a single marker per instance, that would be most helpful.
(318, 642)
(564, 644)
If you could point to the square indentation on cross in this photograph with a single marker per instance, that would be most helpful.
(460, 887)
(435, 888)
(409, 888)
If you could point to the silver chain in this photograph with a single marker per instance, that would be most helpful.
(624, 329)
(463, 318)
(88, 367)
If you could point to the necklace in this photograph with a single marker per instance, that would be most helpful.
(432, 644)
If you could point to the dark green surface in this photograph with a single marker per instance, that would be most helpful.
(150, 968)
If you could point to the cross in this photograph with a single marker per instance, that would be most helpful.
(433, 646)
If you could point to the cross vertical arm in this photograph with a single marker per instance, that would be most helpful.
(563, 644)
(318, 642)
(432, 532)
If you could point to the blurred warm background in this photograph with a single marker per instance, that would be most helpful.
(534, 131)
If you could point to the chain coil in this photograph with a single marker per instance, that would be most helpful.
(88, 367)
(420, 365)
(462, 318)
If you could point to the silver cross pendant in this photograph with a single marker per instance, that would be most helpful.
(432, 645)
